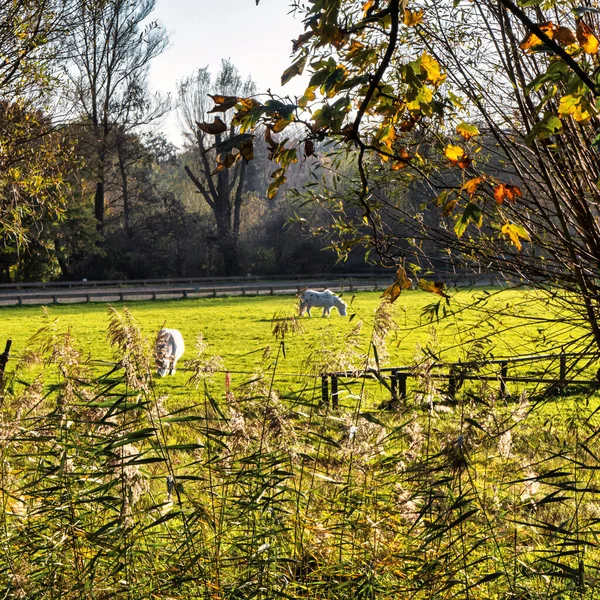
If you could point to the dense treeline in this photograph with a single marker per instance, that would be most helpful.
(89, 186)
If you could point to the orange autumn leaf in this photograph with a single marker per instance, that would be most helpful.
(403, 162)
(464, 162)
(472, 185)
(505, 191)
(586, 38)
(531, 40)
(402, 283)
(435, 287)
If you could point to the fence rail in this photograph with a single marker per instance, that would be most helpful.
(184, 292)
(153, 289)
(459, 372)
(189, 280)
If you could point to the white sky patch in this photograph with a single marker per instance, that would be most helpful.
(202, 32)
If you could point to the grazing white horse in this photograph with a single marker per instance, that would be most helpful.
(325, 300)
(168, 350)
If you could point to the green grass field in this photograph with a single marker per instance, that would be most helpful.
(238, 329)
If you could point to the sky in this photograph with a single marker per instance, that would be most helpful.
(202, 32)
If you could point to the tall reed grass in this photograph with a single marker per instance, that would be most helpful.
(260, 491)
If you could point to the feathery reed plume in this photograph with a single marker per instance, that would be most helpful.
(283, 323)
(203, 366)
(130, 347)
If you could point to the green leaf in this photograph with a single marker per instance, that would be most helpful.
(472, 213)
(581, 10)
(550, 125)
(525, 3)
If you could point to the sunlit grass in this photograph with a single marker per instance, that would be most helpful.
(239, 329)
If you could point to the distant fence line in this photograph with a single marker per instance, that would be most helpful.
(169, 289)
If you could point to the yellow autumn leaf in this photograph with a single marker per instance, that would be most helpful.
(467, 131)
(281, 124)
(531, 40)
(309, 96)
(432, 68)
(412, 17)
(586, 38)
(577, 106)
(367, 6)
(454, 153)
(515, 232)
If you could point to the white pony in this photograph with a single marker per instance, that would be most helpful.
(325, 300)
(168, 350)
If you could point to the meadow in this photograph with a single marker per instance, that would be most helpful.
(115, 484)
(242, 330)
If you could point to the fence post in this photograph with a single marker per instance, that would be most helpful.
(394, 386)
(503, 375)
(324, 390)
(3, 360)
(334, 391)
(402, 378)
(452, 383)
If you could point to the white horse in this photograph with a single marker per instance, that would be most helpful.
(325, 300)
(168, 350)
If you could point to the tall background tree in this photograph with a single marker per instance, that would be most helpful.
(34, 158)
(218, 174)
(109, 47)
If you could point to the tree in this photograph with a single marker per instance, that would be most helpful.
(489, 107)
(219, 175)
(34, 158)
(108, 52)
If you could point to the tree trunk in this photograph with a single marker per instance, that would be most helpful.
(62, 263)
(125, 191)
(99, 204)
(228, 246)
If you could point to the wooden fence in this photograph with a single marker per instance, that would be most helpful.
(396, 378)
(154, 289)
(183, 292)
